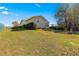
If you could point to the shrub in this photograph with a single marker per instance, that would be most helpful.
(30, 26)
(16, 28)
(56, 28)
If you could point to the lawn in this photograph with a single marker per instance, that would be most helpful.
(38, 43)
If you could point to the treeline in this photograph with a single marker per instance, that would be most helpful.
(68, 18)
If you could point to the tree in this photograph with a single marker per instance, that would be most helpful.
(68, 18)
(62, 18)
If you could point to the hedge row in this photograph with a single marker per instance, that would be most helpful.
(56, 28)
(30, 26)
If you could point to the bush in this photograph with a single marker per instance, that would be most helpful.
(30, 26)
(17, 28)
(56, 28)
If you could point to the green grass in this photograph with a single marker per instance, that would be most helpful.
(38, 42)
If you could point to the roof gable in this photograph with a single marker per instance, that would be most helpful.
(36, 17)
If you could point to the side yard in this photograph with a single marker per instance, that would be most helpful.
(38, 42)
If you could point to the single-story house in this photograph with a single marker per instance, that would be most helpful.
(39, 21)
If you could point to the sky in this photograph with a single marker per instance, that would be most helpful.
(10, 12)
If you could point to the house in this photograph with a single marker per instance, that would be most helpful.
(15, 23)
(39, 21)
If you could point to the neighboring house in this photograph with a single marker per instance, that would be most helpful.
(16, 23)
(39, 21)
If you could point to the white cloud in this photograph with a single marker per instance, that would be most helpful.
(3, 8)
(38, 5)
(6, 8)
(4, 12)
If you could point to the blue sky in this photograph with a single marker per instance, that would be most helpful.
(17, 11)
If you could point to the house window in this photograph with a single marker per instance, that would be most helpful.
(37, 20)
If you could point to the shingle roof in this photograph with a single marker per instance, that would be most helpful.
(37, 17)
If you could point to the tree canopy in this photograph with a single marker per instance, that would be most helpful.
(68, 18)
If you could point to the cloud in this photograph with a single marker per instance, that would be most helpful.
(6, 8)
(38, 5)
(4, 12)
(3, 8)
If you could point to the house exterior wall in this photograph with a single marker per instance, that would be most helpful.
(40, 22)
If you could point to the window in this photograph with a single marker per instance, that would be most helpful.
(37, 20)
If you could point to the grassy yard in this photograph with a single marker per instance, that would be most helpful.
(38, 42)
